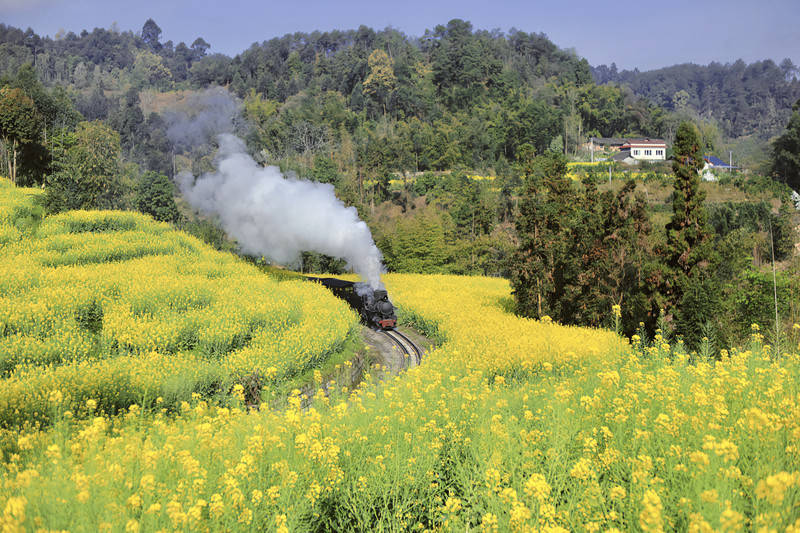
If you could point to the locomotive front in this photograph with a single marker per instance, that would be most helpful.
(382, 310)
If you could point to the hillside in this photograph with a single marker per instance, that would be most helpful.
(743, 100)
(119, 309)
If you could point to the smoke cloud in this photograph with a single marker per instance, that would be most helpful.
(278, 217)
(200, 118)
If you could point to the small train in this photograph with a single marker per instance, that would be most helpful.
(373, 305)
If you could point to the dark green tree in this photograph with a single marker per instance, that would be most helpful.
(200, 47)
(686, 252)
(786, 152)
(151, 34)
(545, 210)
(155, 196)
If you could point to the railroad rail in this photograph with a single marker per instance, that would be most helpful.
(405, 344)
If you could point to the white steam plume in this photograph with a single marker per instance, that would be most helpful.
(278, 217)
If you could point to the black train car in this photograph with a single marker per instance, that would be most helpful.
(373, 305)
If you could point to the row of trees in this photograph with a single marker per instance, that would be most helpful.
(582, 253)
(742, 99)
(45, 141)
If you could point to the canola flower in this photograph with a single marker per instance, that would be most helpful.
(509, 425)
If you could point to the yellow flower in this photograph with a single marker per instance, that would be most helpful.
(489, 522)
(773, 488)
(650, 518)
(280, 522)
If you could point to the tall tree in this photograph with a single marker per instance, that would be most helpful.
(686, 251)
(200, 47)
(19, 125)
(786, 152)
(87, 174)
(381, 81)
(541, 221)
(151, 34)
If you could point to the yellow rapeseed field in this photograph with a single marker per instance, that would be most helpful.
(510, 425)
(115, 307)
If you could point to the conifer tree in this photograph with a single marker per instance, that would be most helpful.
(687, 251)
(545, 214)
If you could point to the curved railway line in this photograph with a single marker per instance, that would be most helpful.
(406, 345)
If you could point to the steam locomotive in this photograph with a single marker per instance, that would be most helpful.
(372, 304)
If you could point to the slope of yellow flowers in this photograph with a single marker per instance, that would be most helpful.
(510, 425)
(115, 307)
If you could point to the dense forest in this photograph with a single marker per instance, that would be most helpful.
(452, 146)
(742, 99)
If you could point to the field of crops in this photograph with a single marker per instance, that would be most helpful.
(511, 424)
(113, 307)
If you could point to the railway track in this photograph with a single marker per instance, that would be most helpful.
(406, 345)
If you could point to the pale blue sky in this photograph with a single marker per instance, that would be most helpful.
(633, 34)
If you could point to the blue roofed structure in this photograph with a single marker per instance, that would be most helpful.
(716, 162)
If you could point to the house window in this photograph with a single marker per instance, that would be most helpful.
(636, 152)
(648, 152)
(659, 152)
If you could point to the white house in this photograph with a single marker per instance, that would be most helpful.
(646, 149)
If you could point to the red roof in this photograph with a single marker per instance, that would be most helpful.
(644, 142)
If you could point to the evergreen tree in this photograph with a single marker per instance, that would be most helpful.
(786, 152)
(544, 217)
(687, 252)
(687, 230)
(151, 33)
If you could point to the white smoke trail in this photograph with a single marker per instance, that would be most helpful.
(278, 217)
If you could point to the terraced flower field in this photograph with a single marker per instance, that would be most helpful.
(117, 308)
(511, 425)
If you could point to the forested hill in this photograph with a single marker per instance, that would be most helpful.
(754, 99)
(457, 96)
(379, 103)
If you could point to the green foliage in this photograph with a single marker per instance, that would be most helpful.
(755, 217)
(210, 233)
(324, 170)
(786, 152)
(686, 251)
(155, 196)
(317, 263)
(19, 125)
(581, 252)
(752, 302)
(87, 172)
(417, 244)
(724, 92)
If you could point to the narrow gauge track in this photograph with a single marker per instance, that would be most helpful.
(405, 344)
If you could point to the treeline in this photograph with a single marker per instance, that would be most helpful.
(596, 258)
(472, 96)
(742, 99)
